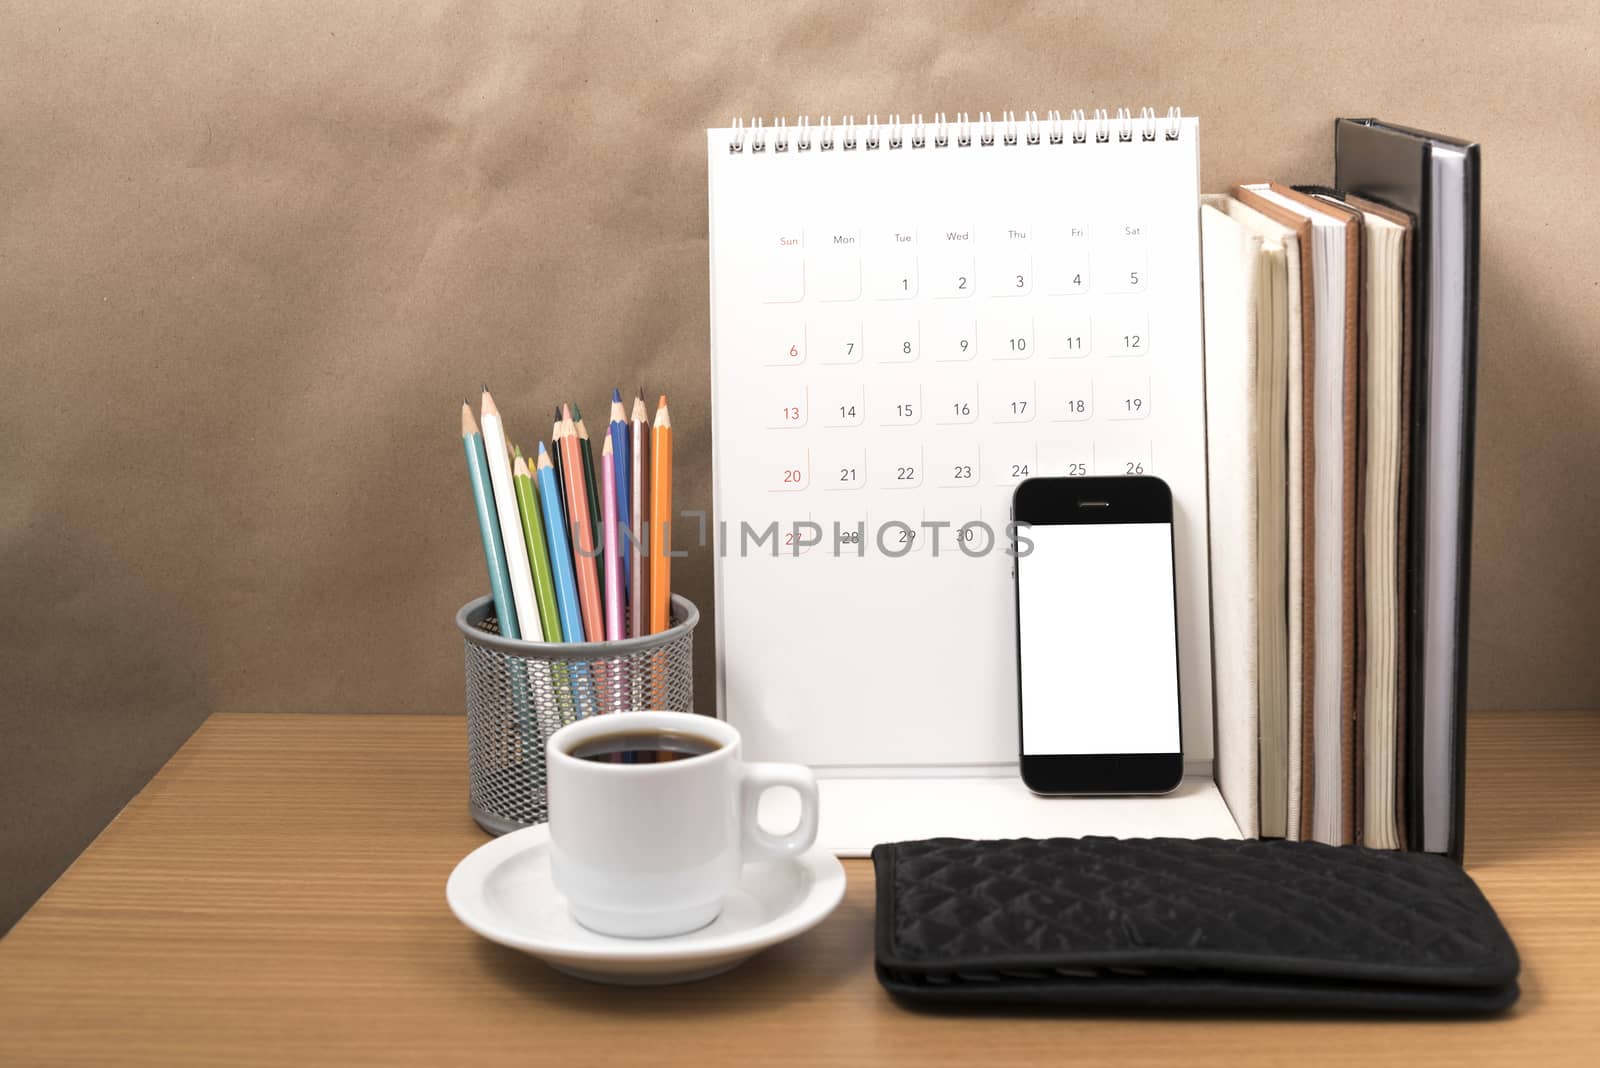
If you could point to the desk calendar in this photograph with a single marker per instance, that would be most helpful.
(909, 318)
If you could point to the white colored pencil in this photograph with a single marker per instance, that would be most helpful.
(505, 503)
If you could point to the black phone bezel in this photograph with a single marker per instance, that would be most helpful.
(1085, 502)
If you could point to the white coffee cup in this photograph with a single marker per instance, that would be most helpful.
(650, 850)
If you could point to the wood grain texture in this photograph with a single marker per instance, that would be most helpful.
(276, 896)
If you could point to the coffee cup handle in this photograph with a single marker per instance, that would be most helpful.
(761, 844)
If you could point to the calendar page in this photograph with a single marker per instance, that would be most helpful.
(907, 321)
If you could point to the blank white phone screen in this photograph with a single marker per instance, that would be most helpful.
(1098, 640)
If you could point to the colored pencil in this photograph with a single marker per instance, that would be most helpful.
(555, 455)
(555, 525)
(505, 503)
(561, 504)
(608, 520)
(661, 519)
(544, 584)
(494, 553)
(583, 548)
(618, 429)
(639, 542)
(591, 485)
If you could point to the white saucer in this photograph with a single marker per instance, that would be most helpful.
(502, 890)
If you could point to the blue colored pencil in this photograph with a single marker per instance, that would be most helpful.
(494, 552)
(619, 460)
(555, 528)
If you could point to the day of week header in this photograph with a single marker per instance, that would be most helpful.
(892, 236)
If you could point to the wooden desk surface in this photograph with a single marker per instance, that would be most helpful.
(276, 895)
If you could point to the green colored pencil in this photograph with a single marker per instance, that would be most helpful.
(544, 580)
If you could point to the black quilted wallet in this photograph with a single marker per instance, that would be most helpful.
(1166, 923)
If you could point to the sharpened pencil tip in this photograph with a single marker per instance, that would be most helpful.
(616, 396)
(577, 413)
(541, 448)
(486, 387)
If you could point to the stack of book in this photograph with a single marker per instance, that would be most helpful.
(1340, 365)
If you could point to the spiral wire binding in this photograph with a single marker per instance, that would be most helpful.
(873, 134)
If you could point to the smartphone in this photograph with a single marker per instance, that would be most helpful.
(1097, 636)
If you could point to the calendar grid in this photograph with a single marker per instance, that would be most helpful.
(899, 339)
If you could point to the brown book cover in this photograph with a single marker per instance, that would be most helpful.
(1407, 299)
(1302, 228)
(1353, 733)
(1345, 526)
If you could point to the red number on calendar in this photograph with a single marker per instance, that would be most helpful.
(791, 475)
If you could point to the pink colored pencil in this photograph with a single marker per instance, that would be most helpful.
(613, 559)
(580, 520)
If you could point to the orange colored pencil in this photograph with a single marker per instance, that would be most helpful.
(577, 493)
(661, 519)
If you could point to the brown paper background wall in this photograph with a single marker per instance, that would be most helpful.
(252, 256)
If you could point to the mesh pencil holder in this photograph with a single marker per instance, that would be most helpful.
(520, 692)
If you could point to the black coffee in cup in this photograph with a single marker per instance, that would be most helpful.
(644, 747)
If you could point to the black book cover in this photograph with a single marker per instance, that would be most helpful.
(1394, 165)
